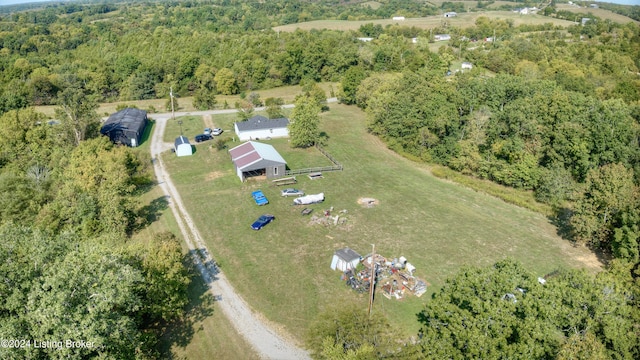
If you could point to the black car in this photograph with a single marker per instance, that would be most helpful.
(203, 137)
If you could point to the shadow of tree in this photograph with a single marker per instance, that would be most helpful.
(323, 138)
(150, 213)
(180, 333)
(562, 221)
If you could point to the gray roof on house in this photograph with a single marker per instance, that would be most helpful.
(260, 122)
(347, 254)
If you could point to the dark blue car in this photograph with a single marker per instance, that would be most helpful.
(262, 221)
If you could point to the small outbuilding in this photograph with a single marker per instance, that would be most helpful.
(126, 126)
(345, 259)
(466, 65)
(260, 127)
(257, 159)
(182, 147)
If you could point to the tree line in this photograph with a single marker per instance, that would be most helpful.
(69, 270)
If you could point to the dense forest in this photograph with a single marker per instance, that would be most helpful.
(554, 111)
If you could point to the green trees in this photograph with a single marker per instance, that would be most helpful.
(503, 311)
(349, 333)
(226, 82)
(609, 192)
(76, 113)
(274, 107)
(63, 287)
(349, 85)
(305, 120)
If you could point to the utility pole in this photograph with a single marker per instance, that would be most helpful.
(372, 281)
(173, 114)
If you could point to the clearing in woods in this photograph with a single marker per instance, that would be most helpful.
(283, 270)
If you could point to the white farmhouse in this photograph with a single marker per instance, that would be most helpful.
(260, 127)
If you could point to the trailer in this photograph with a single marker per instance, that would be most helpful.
(309, 199)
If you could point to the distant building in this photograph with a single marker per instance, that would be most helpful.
(365, 39)
(398, 18)
(585, 20)
(466, 65)
(594, 6)
(441, 37)
(260, 127)
(126, 126)
(450, 14)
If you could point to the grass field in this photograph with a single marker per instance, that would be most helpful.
(283, 270)
(601, 13)
(287, 93)
(463, 20)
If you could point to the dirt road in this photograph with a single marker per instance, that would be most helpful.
(266, 342)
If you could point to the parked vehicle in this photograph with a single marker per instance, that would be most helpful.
(309, 199)
(208, 131)
(203, 137)
(216, 132)
(292, 192)
(262, 221)
(259, 197)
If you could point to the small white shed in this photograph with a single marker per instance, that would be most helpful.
(182, 146)
(345, 259)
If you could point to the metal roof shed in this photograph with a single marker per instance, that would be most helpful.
(182, 146)
(126, 126)
(345, 259)
(254, 158)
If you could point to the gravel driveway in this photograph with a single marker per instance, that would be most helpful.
(265, 341)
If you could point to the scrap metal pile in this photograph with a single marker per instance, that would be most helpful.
(395, 278)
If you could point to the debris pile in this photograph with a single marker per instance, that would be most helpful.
(395, 278)
(327, 219)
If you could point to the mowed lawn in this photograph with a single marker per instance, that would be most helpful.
(283, 271)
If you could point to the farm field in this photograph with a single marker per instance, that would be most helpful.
(283, 270)
(601, 13)
(463, 20)
(286, 93)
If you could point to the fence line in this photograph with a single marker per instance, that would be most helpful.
(336, 167)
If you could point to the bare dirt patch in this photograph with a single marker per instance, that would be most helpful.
(368, 202)
(214, 175)
(208, 123)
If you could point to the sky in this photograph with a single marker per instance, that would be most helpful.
(12, 2)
